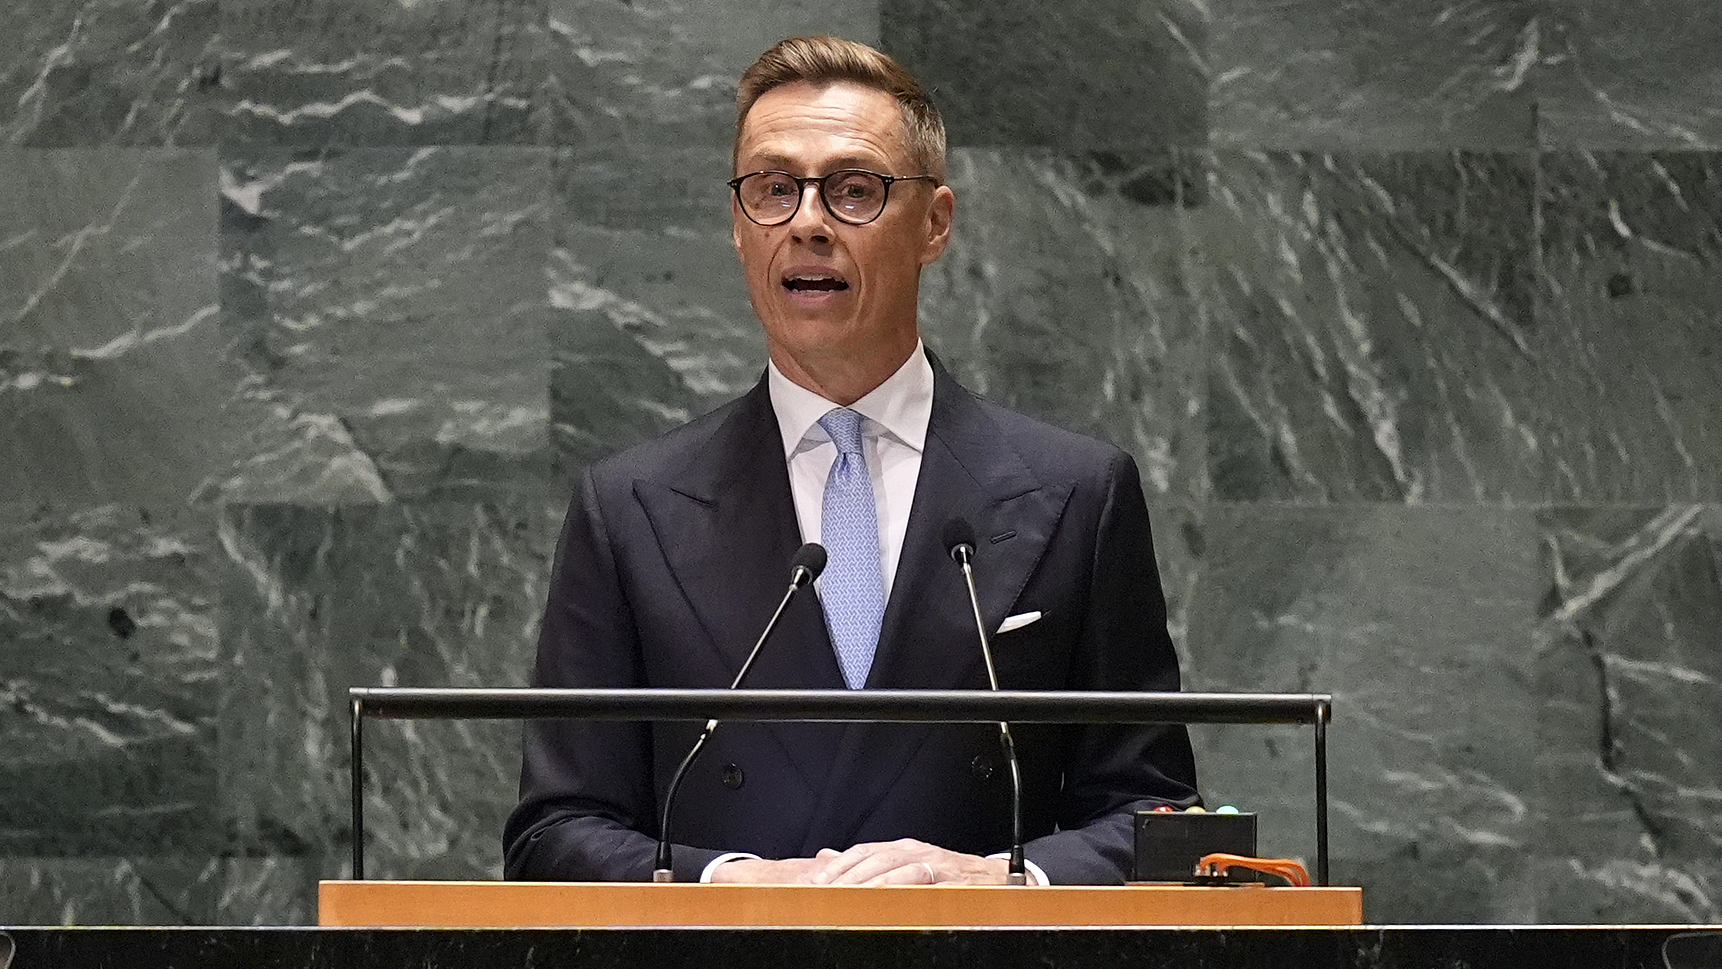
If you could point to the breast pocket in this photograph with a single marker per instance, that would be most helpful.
(1030, 652)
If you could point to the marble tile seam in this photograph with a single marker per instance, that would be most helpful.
(1531, 506)
(576, 150)
(205, 499)
(1328, 150)
(576, 147)
(1221, 143)
(1213, 143)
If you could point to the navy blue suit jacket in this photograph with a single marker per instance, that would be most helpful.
(675, 553)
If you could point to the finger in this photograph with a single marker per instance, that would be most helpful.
(840, 862)
(840, 868)
(913, 873)
(803, 872)
(827, 853)
(877, 864)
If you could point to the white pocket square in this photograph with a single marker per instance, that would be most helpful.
(1018, 621)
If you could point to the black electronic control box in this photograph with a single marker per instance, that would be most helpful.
(1168, 843)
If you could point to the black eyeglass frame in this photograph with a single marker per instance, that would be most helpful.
(801, 192)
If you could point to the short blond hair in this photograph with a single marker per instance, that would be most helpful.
(824, 60)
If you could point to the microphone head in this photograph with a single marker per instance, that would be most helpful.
(809, 558)
(958, 535)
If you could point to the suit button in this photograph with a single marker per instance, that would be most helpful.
(981, 767)
(733, 777)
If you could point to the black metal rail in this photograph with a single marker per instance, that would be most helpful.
(921, 706)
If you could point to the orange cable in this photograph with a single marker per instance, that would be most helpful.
(1290, 869)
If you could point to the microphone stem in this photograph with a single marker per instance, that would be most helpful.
(661, 870)
(980, 625)
(795, 582)
(1018, 872)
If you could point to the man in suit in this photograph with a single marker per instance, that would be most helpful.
(675, 552)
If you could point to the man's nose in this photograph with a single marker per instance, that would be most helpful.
(811, 221)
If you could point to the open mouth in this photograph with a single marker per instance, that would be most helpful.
(814, 283)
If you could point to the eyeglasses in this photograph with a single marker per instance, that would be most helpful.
(852, 195)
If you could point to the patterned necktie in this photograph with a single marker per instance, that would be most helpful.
(852, 589)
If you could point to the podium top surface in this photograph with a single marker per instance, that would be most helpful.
(635, 904)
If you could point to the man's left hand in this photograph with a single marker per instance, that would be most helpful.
(906, 862)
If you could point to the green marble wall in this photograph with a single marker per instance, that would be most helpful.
(1410, 310)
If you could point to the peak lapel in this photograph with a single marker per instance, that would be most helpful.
(928, 640)
(726, 524)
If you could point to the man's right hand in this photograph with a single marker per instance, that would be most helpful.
(763, 871)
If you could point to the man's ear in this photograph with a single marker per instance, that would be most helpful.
(939, 217)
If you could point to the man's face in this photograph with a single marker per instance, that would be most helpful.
(825, 289)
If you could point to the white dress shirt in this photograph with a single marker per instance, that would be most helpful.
(893, 435)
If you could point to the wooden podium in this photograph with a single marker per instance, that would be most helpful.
(624, 904)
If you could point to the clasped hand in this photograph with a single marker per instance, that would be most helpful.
(902, 862)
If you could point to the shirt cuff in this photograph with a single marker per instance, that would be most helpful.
(706, 873)
(1035, 875)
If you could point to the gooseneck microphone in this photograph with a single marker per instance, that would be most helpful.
(804, 567)
(959, 537)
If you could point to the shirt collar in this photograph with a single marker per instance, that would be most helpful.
(901, 407)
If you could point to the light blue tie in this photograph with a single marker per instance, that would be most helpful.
(852, 589)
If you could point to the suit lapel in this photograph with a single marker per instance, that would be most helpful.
(726, 524)
(927, 639)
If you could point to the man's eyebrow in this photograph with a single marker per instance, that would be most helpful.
(775, 162)
(769, 160)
